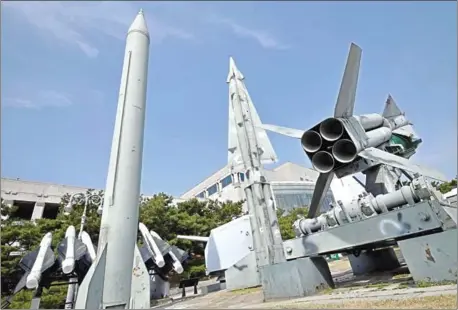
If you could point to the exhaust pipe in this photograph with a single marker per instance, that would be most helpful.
(311, 141)
(331, 129)
(323, 162)
(344, 151)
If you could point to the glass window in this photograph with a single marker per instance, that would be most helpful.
(212, 189)
(242, 177)
(291, 196)
(226, 181)
(201, 195)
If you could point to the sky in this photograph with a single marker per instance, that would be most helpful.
(61, 66)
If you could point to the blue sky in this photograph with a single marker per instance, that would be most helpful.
(61, 65)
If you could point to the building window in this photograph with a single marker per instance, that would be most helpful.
(201, 195)
(226, 181)
(288, 197)
(242, 177)
(212, 189)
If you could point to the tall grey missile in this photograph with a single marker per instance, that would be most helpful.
(109, 280)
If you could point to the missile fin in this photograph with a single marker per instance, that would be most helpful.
(285, 131)
(140, 289)
(233, 153)
(26, 263)
(49, 259)
(383, 157)
(181, 254)
(268, 154)
(346, 99)
(391, 108)
(320, 191)
(146, 253)
(90, 291)
(80, 249)
(163, 246)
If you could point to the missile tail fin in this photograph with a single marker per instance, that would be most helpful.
(268, 155)
(392, 111)
(391, 108)
(383, 157)
(90, 291)
(285, 131)
(321, 189)
(346, 99)
(26, 263)
(140, 288)
(49, 260)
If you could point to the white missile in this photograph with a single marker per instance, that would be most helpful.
(109, 282)
(177, 266)
(33, 279)
(69, 262)
(90, 246)
(157, 255)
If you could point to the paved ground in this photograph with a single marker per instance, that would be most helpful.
(395, 286)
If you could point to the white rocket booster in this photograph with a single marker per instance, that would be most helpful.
(33, 279)
(109, 284)
(157, 255)
(69, 262)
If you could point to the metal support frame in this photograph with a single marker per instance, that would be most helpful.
(369, 233)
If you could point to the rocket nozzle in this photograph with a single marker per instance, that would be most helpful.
(344, 151)
(331, 129)
(311, 141)
(323, 162)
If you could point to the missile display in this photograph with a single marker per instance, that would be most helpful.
(363, 141)
(149, 241)
(44, 259)
(109, 282)
(157, 250)
(73, 254)
(177, 266)
(250, 148)
(69, 262)
(86, 239)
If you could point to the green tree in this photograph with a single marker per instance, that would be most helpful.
(445, 187)
(286, 220)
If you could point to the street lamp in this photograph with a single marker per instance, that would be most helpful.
(86, 199)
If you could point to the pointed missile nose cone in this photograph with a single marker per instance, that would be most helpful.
(139, 24)
(233, 71)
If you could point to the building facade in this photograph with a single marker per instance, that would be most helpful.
(292, 186)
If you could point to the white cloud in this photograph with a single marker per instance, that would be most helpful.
(78, 23)
(48, 98)
(263, 38)
(75, 22)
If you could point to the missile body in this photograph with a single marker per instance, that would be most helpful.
(124, 176)
(157, 255)
(119, 224)
(33, 279)
(69, 262)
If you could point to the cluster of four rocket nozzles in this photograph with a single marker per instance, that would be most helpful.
(326, 145)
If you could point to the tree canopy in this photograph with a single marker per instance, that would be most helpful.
(445, 187)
